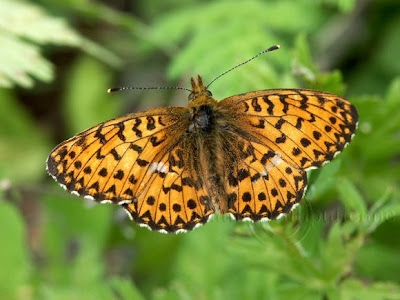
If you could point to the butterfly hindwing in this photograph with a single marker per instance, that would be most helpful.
(174, 201)
(262, 186)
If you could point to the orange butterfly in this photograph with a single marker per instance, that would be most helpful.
(172, 168)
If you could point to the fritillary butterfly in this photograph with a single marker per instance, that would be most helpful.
(172, 168)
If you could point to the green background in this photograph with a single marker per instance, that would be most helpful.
(58, 58)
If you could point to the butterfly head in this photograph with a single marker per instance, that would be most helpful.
(199, 91)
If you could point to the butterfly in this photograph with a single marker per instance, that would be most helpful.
(173, 168)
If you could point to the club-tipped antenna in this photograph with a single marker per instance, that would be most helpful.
(112, 90)
(275, 47)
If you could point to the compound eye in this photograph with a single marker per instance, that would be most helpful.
(208, 93)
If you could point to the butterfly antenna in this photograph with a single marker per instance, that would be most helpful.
(112, 90)
(275, 47)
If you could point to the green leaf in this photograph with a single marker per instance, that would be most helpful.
(326, 180)
(97, 288)
(382, 201)
(125, 289)
(347, 5)
(304, 66)
(71, 232)
(20, 57)
(343, 5)
(352, 199)
(23, 148)
(393, 95)
(330, 82)
(354, 289)
(14, 257)
(270, 246)
(202, 52)
(202, 250)
(378, 261)
(86, 101)
(252, 76)
(298, 292)
(387, 49)
(379, 122)
(15, 68)
(41, 27)
(384, 214)
(302, 61)
(338, 251)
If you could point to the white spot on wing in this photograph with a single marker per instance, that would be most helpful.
(159, 167)
(153, 167)
(276, 160)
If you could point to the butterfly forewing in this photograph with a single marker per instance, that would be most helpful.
(306, 127)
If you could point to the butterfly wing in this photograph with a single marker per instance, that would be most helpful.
(174, 201)
(282, 134)
(134, 161)
(307, 127)
(261, 188)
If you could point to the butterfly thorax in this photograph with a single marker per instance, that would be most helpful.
(202, 119)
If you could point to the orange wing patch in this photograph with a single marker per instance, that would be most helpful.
(308, 128)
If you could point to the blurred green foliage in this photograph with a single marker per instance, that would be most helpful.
(57, 58)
